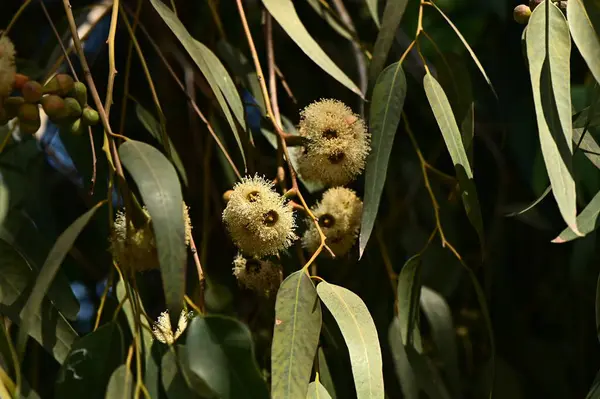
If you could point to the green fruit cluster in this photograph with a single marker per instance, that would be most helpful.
(62, 99)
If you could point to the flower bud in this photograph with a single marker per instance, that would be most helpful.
(260, 276)
(73, 108)
(60, 84)
(521, 14)
(32, 91)
(29, 118)
(55, 107)
(90, 116)
(258, 219)
(338, 214)
(79, 92)
(20, 81)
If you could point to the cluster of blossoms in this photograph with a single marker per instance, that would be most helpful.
(163, 331)
(61, 98)
(522, 12)
(260, 221)
(136, 250)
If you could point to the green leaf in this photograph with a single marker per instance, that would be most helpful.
(153, 127)
(548, 67)
(597, 306)
(4, 200)
(373, 10)
(295, 336)
(147, 339)
(386, 109)
(357, 327)
(159, 186)
(453, 139)
(285, 14)
(426, 374)
(120, 385)
(404, 371)
(87, 370)
(594, 392)
(220, 352)
(172, 377)
(317, 391)
(392, 15)
(438, 314)
(587, 221)
(50, 328)
(325, 13)
(325, 374)
(409, 291)
(217, 77)
(57, 254)
(469, 49)
(584, 24)
(588, 144)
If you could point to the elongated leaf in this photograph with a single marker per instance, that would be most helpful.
(426, 374)
(386, 109)
(594, 392)
(87, 370)
(317, 391)
(402, 366)
(220, 353)
(590, 147)
(438, 314)
(587, 221)
(295, 336)
(373, 10)
(284, 13)
(120, 385)
(50, 328)
(153, 127)
(4, 200)
(159, 186)
(392, 15)
(584, 24)
(325, 13)
(360, 334)
(454, 143)
(49, 269)
(325, 374)
(598, 307)
(409, 291)
(548, 66)
(469, 49)
(173, 379)
(221, 85)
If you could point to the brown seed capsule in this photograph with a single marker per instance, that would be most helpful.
(60, 84)
(29, 118)
(29, 127)
(79, 92)
(54, 107)
(521, 14)
(73, 107)
(20, 81)
(90, 116)
(32, 91)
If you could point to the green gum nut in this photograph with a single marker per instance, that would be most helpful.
(79, 92)
(32, 91)
(60, 84)
(73, 107)
(90, 116)
(77, 128)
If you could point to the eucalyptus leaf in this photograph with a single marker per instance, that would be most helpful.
(386, 109)
(548, 66)
(295, 336)
(404, 371)
(285, 14)
(587, 221)
(374, 11)
(219, 80)
(584, 25)
(120, 385)
(427, 376)
(325, 374)
(357, 327)
(409, 292)
(172, 377)
(317, 391)
(325, 13)
(159, 186)
(454, 143)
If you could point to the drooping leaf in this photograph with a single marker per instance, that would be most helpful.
(317, 391)
(409, 292)
(295, 336)
(587, 221)
(454, 143)
(153, 127)
(284, 13)
(221, 85)
(373, 10)
(438, 314)
(159, 186)
(594, 392)
(402, 366)
(87, 370)
(325, 374)
(357, 327)
(4, 200)
(466, 44)
(325, 13)
(392, 15)
(220, 352)
(146, 330)
(427, 376)
(588, 145)
(386, 109)
(584, 24)
(173, 381)
(120, 385)
(57, 254)
(50, 328)
(548, 66)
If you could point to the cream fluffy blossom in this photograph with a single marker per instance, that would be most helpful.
(163, 331)
(258, 219)
(339, 214)
(337, 143)
(7, 66)
(139, 253)
(260, 276)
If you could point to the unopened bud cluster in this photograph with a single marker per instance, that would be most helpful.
(61, 98)
(135, 249)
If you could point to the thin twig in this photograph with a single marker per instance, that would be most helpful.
(58, 38)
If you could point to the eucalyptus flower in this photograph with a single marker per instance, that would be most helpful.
(163, 331)
(260, 276)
